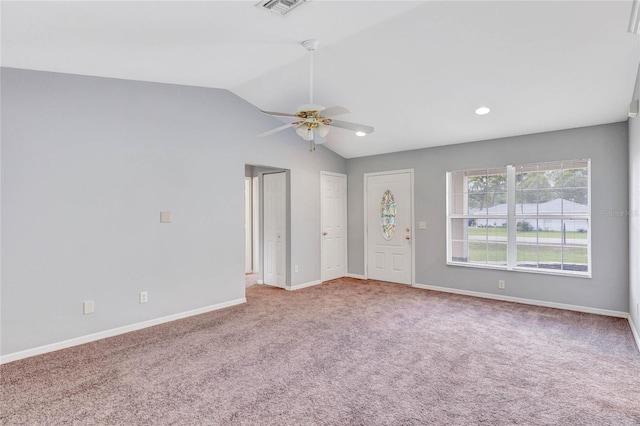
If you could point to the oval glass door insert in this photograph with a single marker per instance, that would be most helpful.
(388, 215)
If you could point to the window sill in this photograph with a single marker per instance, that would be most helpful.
(525, 270)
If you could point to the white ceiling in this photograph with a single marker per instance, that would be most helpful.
(415, 70)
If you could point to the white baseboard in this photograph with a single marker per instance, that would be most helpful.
(585, 309)
(260, 282)
(356, 276)
(114, 332)
(304, 285)
(634, 330)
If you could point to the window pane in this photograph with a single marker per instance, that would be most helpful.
(459, 240)
(575, 174)
(550, 256)
(497, 203)
(575, 231)
(527, 255)
(497, 230)
(496, 180)
(479, 241)
(575, 200)
(476, 183)
(526, 229)
(550, 178)
(575, 242)
(575, 258)
(527, 201)
(457, 203)
(478, 252)
(497, 253)
(477, 234)
(526, 178)
(549, 201)
(478, 203)
(457, 193)
(549, 230)
(553, 244)
(459, 229)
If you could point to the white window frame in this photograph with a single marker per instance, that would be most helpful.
(512, 219)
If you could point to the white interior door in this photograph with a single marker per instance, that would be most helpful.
(256, 224)
(333, 190)
(389, 218)
(248, 255)
(275, 237)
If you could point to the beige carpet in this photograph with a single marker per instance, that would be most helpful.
(343, 353)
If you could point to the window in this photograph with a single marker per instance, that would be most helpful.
(532, 217)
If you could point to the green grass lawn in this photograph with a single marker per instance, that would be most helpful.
(497, 252)
(502, 232)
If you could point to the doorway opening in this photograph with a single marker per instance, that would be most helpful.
(267, 226)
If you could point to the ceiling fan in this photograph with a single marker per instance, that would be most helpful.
(312, 122)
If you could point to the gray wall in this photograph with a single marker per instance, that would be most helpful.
(606, 145)
(634, 214)
(87, 165)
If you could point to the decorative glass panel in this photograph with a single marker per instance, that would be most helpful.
(388, 215)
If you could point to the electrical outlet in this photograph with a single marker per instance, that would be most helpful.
(88, 307)
(501, 284)
(295, 268)
(165, 217)
(144, 297)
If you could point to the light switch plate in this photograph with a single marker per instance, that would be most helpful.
(422, 225)
(165, 217)
(87, 307)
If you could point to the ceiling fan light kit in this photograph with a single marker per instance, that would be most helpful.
(313, 122)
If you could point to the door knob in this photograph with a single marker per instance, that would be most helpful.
(407, 237)
(325, 233)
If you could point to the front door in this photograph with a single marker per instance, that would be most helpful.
(333, 189)
(389, 218)
(275, 231)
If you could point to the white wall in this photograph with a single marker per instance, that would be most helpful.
(606, 145)
(88, 164)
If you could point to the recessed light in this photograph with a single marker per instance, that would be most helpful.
(483, 111)
(361, 134)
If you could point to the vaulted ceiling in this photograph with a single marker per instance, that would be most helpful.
(414, 70)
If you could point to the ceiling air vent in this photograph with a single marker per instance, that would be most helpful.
(280, 7)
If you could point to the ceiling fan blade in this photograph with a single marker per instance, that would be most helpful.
(277, 129)
(333, 111)
(279, 114)
(352, 126)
